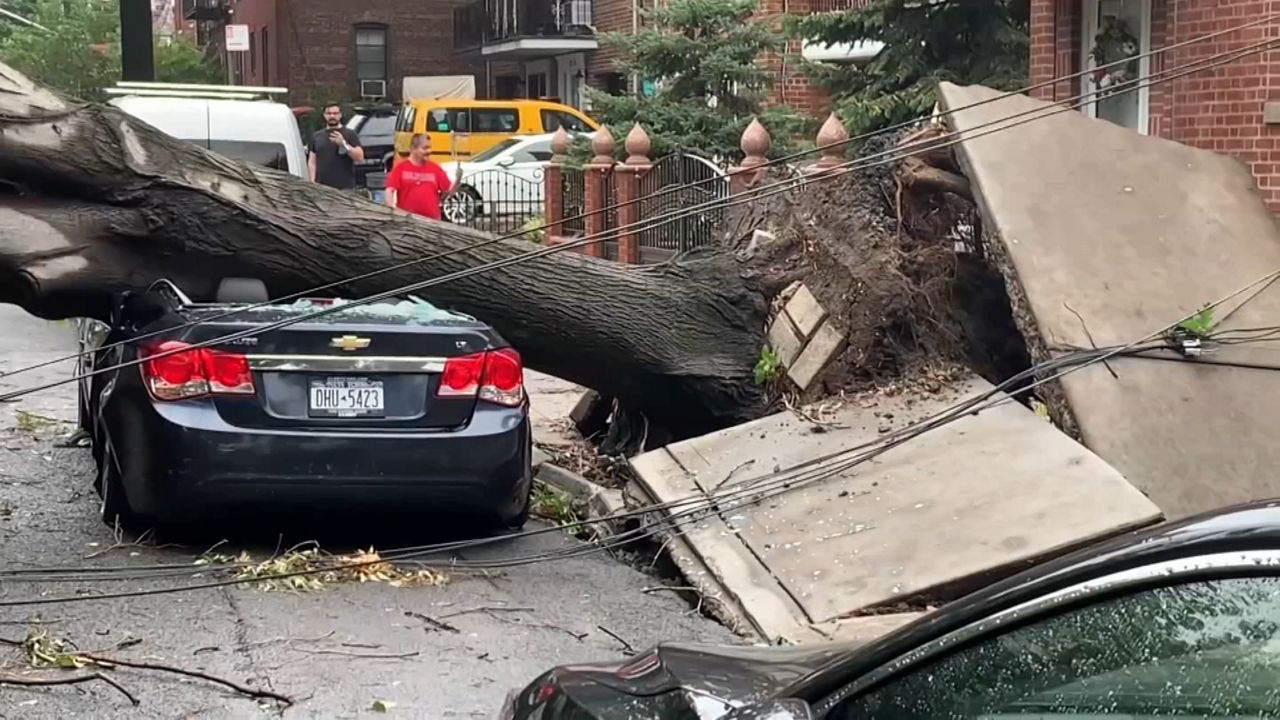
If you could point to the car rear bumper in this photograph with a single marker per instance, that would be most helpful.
(182, 460)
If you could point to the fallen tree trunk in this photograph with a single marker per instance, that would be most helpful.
(95, 202)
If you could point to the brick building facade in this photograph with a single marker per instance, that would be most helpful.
(1232, 108)
(322, 49)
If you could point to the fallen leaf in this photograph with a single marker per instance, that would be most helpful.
(383, 705)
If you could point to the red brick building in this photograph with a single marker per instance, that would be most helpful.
(323, 49)
(1231, 109)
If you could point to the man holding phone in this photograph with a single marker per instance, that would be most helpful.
(334, 152)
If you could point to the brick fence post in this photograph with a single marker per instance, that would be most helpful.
(831, 139)
(755, 146)
(553, 187)
(628, 179)
(596, 174)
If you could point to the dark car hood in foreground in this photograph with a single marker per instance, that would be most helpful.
(671, 681)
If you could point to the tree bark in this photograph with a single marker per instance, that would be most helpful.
(93, 201)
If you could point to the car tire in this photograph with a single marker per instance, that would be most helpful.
(115, 509)
(463, 207)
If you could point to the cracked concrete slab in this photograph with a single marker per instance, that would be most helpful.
(1104, 236)
(976, 498)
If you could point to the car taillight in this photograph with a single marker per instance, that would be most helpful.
(496, 376)
(174, 370)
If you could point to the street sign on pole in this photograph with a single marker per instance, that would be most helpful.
(237, 38)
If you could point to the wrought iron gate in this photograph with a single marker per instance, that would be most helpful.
(674, 186)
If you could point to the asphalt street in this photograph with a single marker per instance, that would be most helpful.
(451, 651)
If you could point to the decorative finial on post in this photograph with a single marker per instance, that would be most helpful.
(638, 146)
(603, 145)
(559, 145)
(831, 140)
(755, 144)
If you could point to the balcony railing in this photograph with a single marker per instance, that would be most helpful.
(206, 10)
(836, 6)
(494, 21)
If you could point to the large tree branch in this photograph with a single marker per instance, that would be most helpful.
(110, 203)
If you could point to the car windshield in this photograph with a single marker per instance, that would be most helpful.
(496, 150)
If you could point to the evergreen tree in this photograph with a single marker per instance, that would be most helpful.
(966, 42)
(701, 62)
(79, 54)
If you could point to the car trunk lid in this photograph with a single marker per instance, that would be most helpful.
(375, 368)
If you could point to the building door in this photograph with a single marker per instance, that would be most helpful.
(1116, 31)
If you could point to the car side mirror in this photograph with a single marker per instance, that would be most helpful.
(507, 161)
(779, 709)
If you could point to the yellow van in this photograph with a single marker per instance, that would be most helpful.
(461, 128)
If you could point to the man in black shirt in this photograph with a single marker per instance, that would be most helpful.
(334, 152)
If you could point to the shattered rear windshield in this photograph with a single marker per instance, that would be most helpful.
(411, 310)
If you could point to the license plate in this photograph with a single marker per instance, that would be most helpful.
(345, 397)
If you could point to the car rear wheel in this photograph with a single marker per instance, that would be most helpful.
(115, 508)
(463, 206)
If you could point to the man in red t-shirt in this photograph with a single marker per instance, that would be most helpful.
(418, 185)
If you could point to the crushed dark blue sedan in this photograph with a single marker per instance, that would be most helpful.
(1181, 620)
(395, 406)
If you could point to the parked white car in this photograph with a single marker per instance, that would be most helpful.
(506, 179)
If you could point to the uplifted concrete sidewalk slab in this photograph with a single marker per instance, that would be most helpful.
(978, 497)
(1098, 226)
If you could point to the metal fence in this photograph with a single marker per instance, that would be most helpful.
(496, 201)
(574, 184)
(677, 182)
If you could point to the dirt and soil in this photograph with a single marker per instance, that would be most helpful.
(899, 267)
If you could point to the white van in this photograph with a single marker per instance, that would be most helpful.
(228, 120)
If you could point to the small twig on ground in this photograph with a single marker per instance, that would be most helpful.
(432, 623)
(145, 540)
(159, 667)
(626, 646)
(487, 609)
(363, 656)
(260, 643)
(74, 680)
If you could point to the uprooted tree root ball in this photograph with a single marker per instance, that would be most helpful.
(896, 263)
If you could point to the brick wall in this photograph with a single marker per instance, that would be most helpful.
(1218, 109)
(610, 16)
(320, 39)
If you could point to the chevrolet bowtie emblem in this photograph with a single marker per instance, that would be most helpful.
(350, 343)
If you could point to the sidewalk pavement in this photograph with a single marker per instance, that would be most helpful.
(550, 402)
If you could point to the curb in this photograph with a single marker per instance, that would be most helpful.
(600, 501)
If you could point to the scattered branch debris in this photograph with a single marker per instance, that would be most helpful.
(581, 457)
(325, 568)
(256, 693)
(362, 656)
(45, 651)
(432, 623)
(626, 646)
(75, 680)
